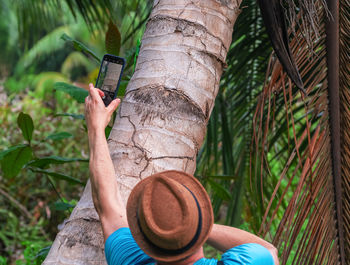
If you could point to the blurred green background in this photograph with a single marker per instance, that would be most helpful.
(43, 143)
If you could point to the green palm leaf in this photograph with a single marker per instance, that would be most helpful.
(47, 45)
(226, 149)
(34, 15)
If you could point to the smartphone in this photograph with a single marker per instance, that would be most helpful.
(109, 77)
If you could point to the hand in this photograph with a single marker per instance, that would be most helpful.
(97, 116)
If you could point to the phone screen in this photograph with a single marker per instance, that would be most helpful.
(109, 76)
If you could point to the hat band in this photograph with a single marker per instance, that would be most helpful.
(189, 245)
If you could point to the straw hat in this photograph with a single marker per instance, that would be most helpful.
(170, 215)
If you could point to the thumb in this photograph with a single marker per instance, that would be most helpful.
(113, 105)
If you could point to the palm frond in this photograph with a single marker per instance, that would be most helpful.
(36, 16)
(93, 12)
(344, 84)
(48, 44)
(297, 192)
(307, 20)
(226, 149)
(75, 60)
(275, 22)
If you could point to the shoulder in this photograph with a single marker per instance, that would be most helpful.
(248, 254)
(122, 235)
(121, 248)
(119, 234)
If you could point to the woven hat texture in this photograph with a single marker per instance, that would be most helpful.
(170, 215)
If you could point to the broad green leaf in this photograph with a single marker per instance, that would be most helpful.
(59, 136)
(4, 152)
(219, 190)
(80, 47)
(58, 176)
(25, 123)
(79, 94)
(62, 206)
(75, 116)
(14, 160)
(113, 39)
(45, 161)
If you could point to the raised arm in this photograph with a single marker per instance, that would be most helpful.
(105, 191)
(225, 237)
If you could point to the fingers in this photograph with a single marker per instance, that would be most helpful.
(93, 92)
(96, 94)
(113, 105)
(101, 93)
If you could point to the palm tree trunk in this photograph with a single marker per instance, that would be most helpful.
(162, 121)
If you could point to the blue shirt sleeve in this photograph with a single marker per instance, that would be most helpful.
(248, 254)
(121, 249)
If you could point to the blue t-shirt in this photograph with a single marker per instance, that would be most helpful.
(121, 249)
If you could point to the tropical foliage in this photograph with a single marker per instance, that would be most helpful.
(43, 154)
(291, 145)
(270, 160)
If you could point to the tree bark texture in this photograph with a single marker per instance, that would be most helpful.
(162, 120)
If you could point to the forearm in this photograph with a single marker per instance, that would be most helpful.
(225, 237)
(105, 190)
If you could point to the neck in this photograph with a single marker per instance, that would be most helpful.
(187, 261)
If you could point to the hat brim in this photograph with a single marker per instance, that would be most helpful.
(204, 202)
